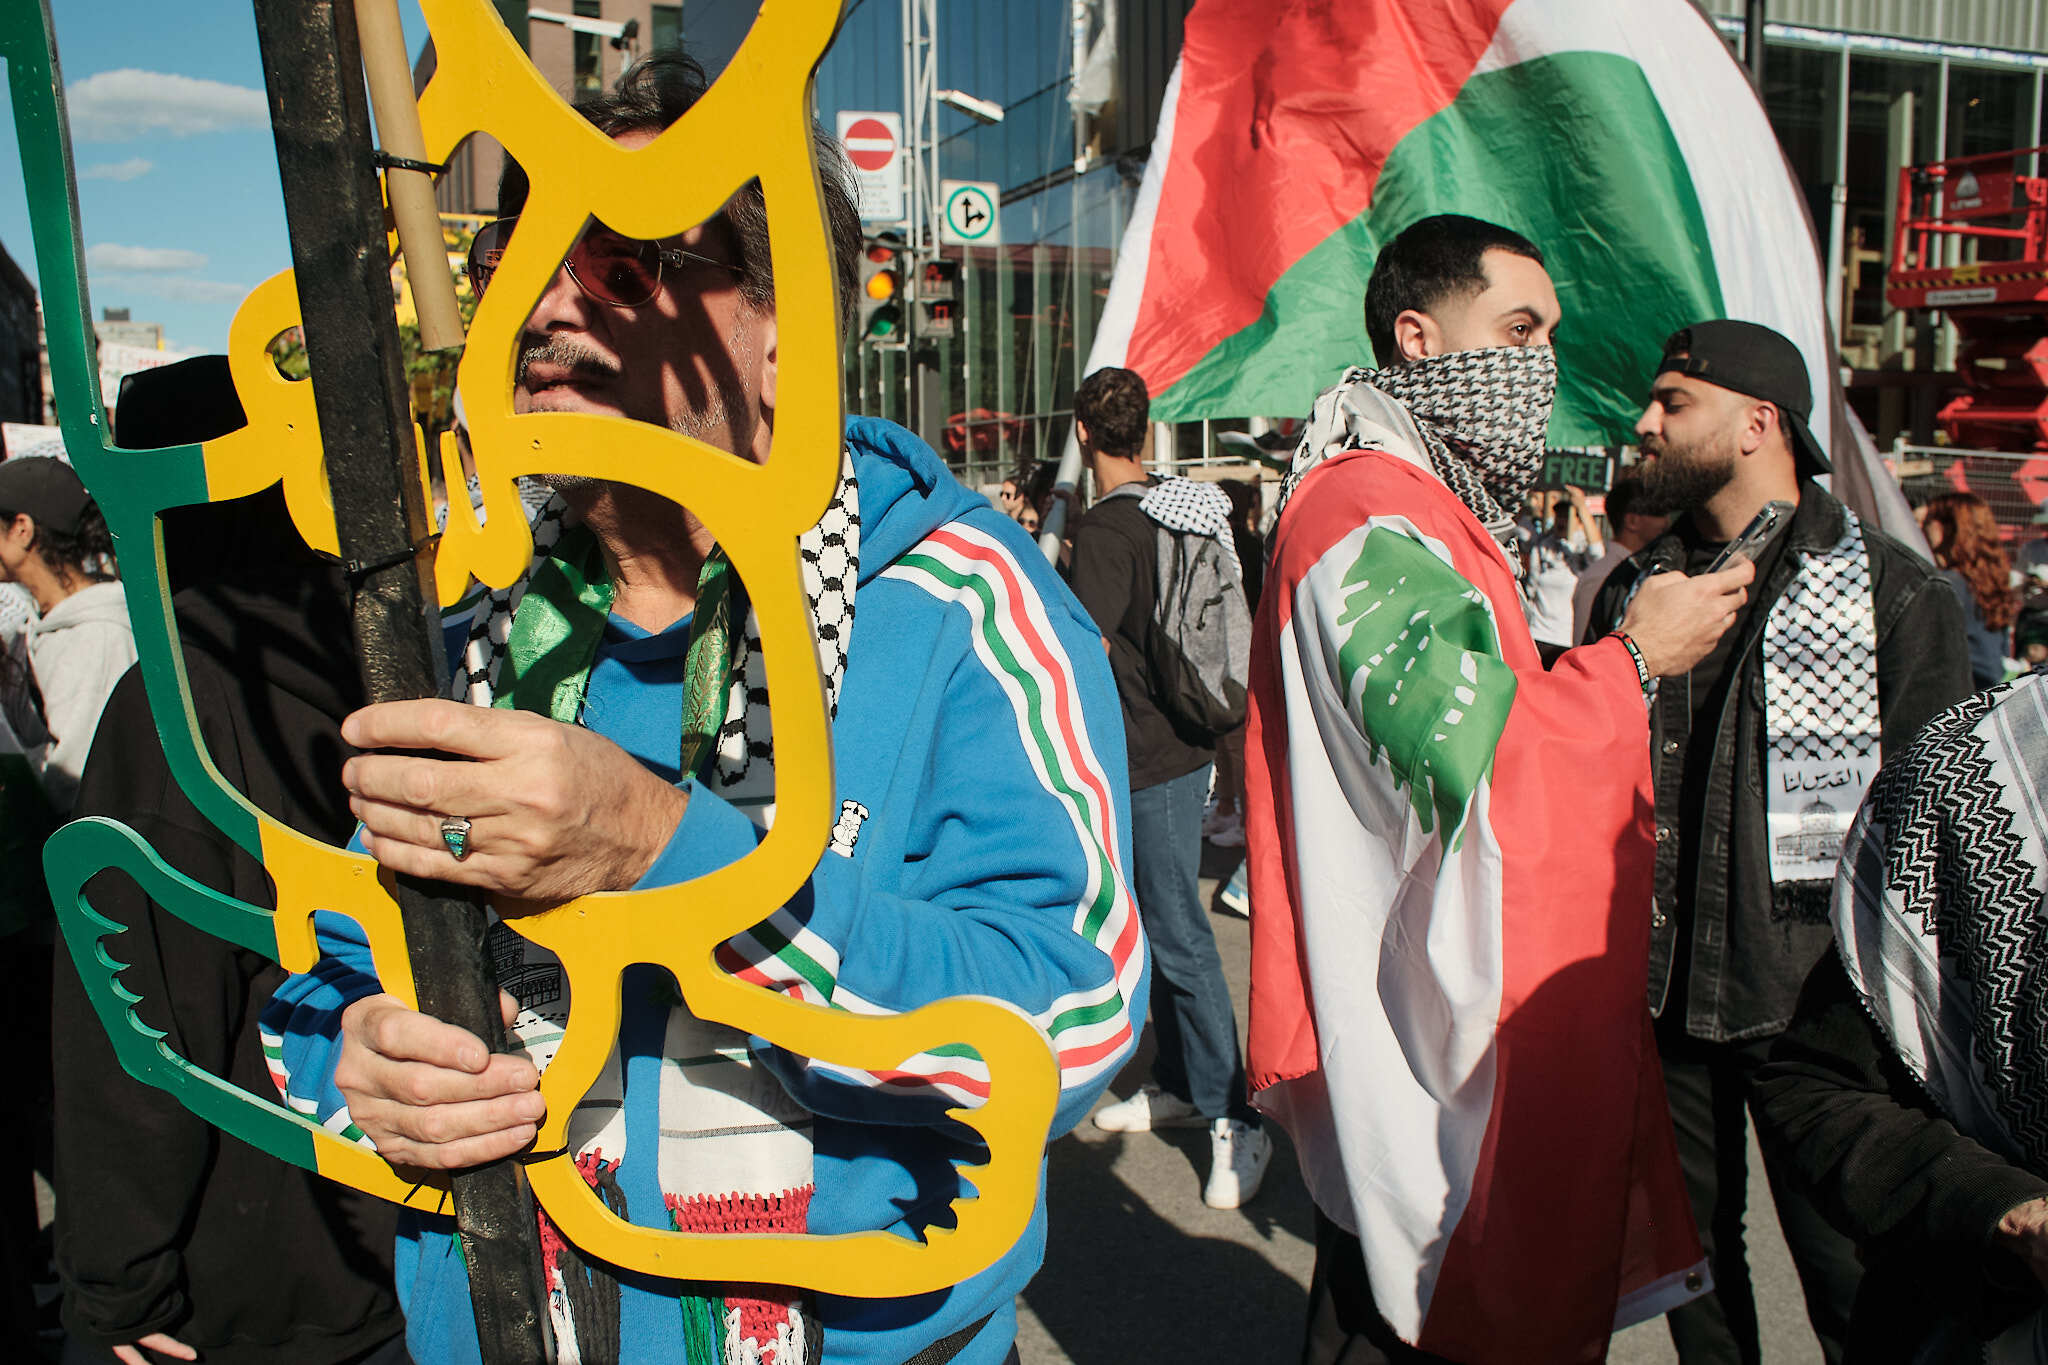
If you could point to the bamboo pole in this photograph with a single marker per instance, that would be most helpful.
(409, 192)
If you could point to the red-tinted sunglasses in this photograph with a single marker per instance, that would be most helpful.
(622, 271)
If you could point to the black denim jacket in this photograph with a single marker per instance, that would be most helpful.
(1752, 945)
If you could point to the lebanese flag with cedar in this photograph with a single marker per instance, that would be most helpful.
(1450, 861)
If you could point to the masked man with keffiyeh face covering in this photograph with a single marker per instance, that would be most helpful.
(1450, 853)
(1761, 754)
(625, 742)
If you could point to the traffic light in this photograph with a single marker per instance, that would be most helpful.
(881, 293)
(938, 290)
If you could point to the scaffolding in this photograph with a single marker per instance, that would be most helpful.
(1972, 242)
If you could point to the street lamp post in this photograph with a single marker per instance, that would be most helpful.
(924, 388)
(920, 118)
(1054, 526)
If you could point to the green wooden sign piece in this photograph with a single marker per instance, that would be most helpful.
(80, 851)
(132, 488)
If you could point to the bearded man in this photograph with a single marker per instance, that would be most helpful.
(1762, 752)
(1450, 847)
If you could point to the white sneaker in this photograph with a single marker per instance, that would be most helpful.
(1236, 895)
(1229, 832)
(1150, 1108)
(1238, 1156)
(1215, 818)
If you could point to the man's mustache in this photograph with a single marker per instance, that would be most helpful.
(565, 353)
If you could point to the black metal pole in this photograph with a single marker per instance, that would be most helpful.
(513, 12)
(1753, 43)
(320, 119)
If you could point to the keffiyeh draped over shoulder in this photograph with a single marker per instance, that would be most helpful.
(1941, 918)
(1197, 508)
(743, 764)
(1939, 914)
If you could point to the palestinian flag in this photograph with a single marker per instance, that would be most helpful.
(1618, 135)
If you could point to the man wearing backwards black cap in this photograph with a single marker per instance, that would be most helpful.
(1761, 754)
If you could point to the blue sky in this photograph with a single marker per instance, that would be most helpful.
(178, 192)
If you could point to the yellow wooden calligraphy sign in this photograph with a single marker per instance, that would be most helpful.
(752, 123)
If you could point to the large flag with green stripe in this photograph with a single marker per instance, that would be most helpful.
(1297, 137)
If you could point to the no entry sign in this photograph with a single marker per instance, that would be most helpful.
(874, 144)
(870, 143)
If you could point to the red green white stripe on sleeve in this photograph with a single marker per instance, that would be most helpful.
(782, 954)
(340, 1122)
(273, 1061)
(1014, 639)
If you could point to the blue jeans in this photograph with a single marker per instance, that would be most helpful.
(1192, 1020)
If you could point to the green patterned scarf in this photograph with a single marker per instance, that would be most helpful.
(553, 642)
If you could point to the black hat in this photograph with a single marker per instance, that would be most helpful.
(46, 488)
(1751, 359)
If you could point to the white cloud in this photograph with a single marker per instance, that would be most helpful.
(178, 288)
(134, 168)
(110, 256)
(114, 105)
(199, 291)
(161, 272)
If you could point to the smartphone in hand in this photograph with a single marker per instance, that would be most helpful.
(1754, 536)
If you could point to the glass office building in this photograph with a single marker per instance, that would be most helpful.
(1855, 89)
(1001, 387)
(1859, 88)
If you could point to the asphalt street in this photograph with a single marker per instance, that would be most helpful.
(1140, 1270)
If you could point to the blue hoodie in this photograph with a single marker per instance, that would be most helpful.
(979, 728)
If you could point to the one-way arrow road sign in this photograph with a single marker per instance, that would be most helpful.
(971, 214)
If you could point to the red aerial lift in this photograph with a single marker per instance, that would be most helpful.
(1989, 216)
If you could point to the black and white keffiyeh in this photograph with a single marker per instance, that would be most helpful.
(1197, 508)
(1481, 418)
(1939, 914)
(1939, 919)
(1821, 720)
(1820, 709)
(744, 766)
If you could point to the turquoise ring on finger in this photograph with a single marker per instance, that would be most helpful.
(455, 834)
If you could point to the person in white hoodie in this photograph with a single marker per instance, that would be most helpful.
(54, 542)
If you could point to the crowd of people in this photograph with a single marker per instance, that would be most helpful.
(1570, 850)
(1563, 551)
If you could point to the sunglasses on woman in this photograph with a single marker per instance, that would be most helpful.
(624, 272)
